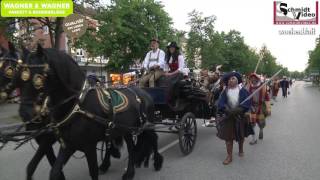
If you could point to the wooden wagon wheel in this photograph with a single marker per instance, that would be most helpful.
(187, 133)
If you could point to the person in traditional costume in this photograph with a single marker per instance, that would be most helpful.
(275, 88)
(216, 86)
(232, 123)
(154, 64)
(260, 107)
(175, 70)
(175, 62)
(204, 80)
(284, 84)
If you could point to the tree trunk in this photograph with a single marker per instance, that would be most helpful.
(58, 32)
(50, 32)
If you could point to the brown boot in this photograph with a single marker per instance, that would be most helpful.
(261, 134)
(241, 152)
(229, 146)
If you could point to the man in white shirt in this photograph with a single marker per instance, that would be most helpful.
(154, 64)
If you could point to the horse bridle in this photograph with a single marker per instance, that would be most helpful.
(8, 73)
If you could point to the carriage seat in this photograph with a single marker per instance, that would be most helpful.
(167, 81)
(162, 82)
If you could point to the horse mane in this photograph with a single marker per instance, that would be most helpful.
(65, 67)
(11, 52)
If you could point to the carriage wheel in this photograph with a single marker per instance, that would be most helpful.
(188, 133)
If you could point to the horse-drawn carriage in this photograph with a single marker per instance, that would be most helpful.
(179, 111)
(66, 108)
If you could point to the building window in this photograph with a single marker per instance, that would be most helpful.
(45, 29)
(31, 28)
(80, 52)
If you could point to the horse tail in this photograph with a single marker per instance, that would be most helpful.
(118, 142)
(146, 144)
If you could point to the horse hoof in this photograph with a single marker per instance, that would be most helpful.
(146, 164)
(115, 153)
(103, 169)
(102, 172)
(138, 165)
(158, 161)
(128, 176)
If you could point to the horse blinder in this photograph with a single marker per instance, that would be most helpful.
(9, 72)
(38, 81)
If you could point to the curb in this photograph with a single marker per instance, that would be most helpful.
(9, 126)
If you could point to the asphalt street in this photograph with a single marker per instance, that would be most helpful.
(289, 151)
(9, 114)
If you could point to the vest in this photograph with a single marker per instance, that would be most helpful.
(174, 65)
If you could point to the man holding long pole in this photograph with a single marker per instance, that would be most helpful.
(260, 105)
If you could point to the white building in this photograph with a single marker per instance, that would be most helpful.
(94, 65)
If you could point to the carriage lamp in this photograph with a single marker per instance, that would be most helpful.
(38, 81)
(25, 74)
(9, 72)
(3, 95)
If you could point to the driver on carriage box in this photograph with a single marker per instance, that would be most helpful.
(154, 63)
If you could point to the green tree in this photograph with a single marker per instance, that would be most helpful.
(125, 31)
(54, 24)
(215, 48)
(314, 59)
(201, 32)
(268, 65)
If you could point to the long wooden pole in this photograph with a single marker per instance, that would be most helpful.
(257, 90)
(255, 70)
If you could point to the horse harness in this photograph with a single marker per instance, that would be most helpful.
(109, 123)
(42, 109)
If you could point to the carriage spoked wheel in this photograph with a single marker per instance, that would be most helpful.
(103, 148)
(187, 133)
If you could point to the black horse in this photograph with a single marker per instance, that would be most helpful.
(8, 67)
(62, 80)
(11, 78)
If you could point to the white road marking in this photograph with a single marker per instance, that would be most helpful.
(165, 148)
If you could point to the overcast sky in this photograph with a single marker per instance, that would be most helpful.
(254, 19)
